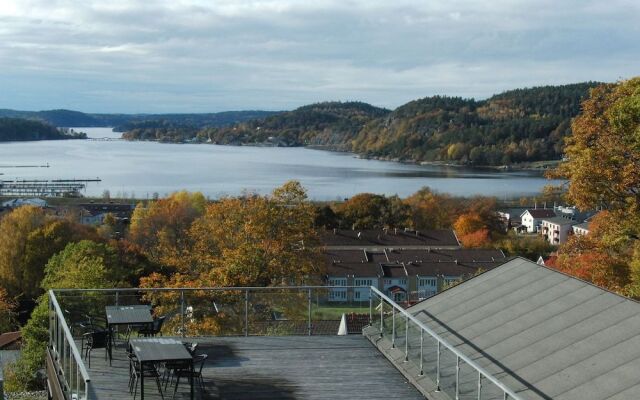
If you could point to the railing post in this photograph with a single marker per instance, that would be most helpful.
(182, 310)
(421, 352)
(370, 307)
(506, 396)
(457, 377)
(381, 317)
(406, 338)
(438, 368)
(117, 298)
(246, 312)
(309, 305)
(479, 386)
(393, 327)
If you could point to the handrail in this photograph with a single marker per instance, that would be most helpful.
(217, 288)
(443, 342)
(69, 339)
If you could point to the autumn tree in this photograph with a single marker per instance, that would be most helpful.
(161, 227)
(85, 264)
(373, 211)
(28, 237)
(603, 171)
(431, 210)
(603, 151)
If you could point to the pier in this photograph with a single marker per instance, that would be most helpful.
(44, 188)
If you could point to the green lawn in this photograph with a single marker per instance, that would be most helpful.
(335, 312)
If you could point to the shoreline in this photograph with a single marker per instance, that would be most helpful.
(539, 166)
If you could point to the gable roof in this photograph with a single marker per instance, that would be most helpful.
(387, 238)
(561, 221)
(544, 334)
(584, 225)
(540, 213)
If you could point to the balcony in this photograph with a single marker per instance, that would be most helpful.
(265, 343)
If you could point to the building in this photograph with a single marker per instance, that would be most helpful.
(94, 213)
(404, 275)
(539, 333)
(14, 203)
(557, 230)
(511, 217)
(380, 239)
(532, 218)
(581, 229)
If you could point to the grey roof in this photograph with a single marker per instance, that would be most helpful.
(544, 334)
(540, 213)
(561, 221)
(396, 238)
(458, 262)
(584, 225)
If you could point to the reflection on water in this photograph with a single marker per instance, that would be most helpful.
(144, 168)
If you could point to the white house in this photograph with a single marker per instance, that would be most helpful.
(581, 229)
(557, 229)
(532, 218)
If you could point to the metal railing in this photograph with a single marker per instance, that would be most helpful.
(234, 311)
(70, 370)
(396, 324)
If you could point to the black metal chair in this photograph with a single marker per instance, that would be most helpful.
(149, 371)
(186, 372)
(97, 339)
(154, 328)
(170, 367)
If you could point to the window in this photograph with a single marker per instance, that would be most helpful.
(428, 282)
(364, 282)
(337, 282)
(357, 295)
(387, 281)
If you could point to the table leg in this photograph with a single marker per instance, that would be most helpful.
(141, 381)
(109, 346)
(191, 379)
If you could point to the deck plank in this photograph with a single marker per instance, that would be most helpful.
(266, 368)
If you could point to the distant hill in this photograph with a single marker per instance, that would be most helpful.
(122, 122)
(515, 126)
(18, 129)
(331, 124)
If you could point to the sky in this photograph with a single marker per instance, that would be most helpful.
(155, 56)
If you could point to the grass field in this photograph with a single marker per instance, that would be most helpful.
(335, 312)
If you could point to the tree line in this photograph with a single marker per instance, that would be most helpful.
(520, 125)
(18, 129)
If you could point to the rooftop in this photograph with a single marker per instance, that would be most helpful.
(389, 238)
(541, 212)
(543, 334)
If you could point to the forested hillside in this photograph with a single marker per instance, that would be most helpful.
(518, 125)
(329, 124)
(17, 129)
(124, 122)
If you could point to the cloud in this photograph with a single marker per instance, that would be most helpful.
(182, 56)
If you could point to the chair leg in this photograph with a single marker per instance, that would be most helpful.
(159, 387)
(135, 389)
(175, 388)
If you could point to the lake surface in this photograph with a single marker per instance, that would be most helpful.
(142, 168)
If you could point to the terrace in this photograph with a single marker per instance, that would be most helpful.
(262, 343)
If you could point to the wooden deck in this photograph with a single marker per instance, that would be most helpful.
(264, 368)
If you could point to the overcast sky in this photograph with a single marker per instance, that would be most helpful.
(216, 55)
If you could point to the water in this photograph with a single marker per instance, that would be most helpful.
(143, 168)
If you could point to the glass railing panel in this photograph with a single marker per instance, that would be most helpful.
(448, 372)
(413, 344)
(489, 391)
(330, 304)
(278, 312)
(468, 382)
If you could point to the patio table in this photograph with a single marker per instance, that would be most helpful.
(155, 350)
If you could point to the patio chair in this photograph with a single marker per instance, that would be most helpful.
(96, 339)
(149, 371)
(154, 328)
(185, 372)
(170, 367)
